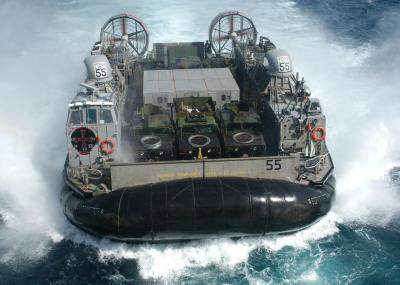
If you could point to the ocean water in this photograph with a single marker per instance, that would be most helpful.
(349, 54)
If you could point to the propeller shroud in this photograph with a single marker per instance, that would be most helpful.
(128, 30)
(227, 25)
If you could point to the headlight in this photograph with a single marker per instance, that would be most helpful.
(209, 150)
(255, 148)
(236, 149)
(141, 153)
(161, 152)
(190, 152)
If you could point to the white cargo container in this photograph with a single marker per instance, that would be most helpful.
(160, 87)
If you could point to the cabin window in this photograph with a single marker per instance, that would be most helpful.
(315, 107)
(76, 117)
(255, 127)
(91, 116)
(105, 116)
(223, 97)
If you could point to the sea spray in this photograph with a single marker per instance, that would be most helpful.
(358, 87)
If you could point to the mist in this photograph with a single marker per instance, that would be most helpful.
(41, 63)
(42, 66)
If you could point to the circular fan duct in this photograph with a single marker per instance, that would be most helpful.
(128, 31)
(227, 25)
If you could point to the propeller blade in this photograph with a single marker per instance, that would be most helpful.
(133, 46)
(113, 34)
(223, 38)
(222, 47)
(231, 24)
(135, 33)
(217, 30)
(123, 25)
(239, 32)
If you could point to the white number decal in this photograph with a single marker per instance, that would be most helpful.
(284, 63)
(100, 70)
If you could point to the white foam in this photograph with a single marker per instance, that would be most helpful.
(310, 276)
(358, 91)
(362, 139)
(360, 102)
(168, 262)
(37, 82)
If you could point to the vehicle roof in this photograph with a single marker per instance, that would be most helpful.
(182, 119)
(181, 103)
(158, 121)
(245, 117)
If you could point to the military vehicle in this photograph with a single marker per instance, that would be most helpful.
(154, 139)
(242, 131)
(197, 130)
(113, 193)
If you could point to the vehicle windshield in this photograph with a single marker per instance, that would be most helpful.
(253, 127)
(199, 129)
(234, 126)
(105, 116)
(76, 117)
(91, 116)
(152, 131)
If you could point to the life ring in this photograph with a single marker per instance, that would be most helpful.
(309, 127)
(107, 146)
(318, 134)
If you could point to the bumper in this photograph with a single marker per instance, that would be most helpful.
(200, 208)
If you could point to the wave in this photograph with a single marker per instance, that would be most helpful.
(356, 85)
(169, 262)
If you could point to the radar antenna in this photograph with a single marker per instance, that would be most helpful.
(228, 26)
(126, 31)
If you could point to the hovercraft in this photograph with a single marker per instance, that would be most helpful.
(194, 140)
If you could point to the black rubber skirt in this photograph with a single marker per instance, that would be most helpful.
(200, 208)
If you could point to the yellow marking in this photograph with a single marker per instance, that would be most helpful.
(227, 173)
(200, 155)
(180, 174)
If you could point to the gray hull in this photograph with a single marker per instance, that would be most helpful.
(199, 208)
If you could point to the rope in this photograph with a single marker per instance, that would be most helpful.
(87, 169)
(321, 157)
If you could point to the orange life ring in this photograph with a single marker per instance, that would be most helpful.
(107, 146)
(318, 134)
(309, 127)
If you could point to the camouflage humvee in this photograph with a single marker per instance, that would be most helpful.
(241, 131)
(196, 127)
(155, 138)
